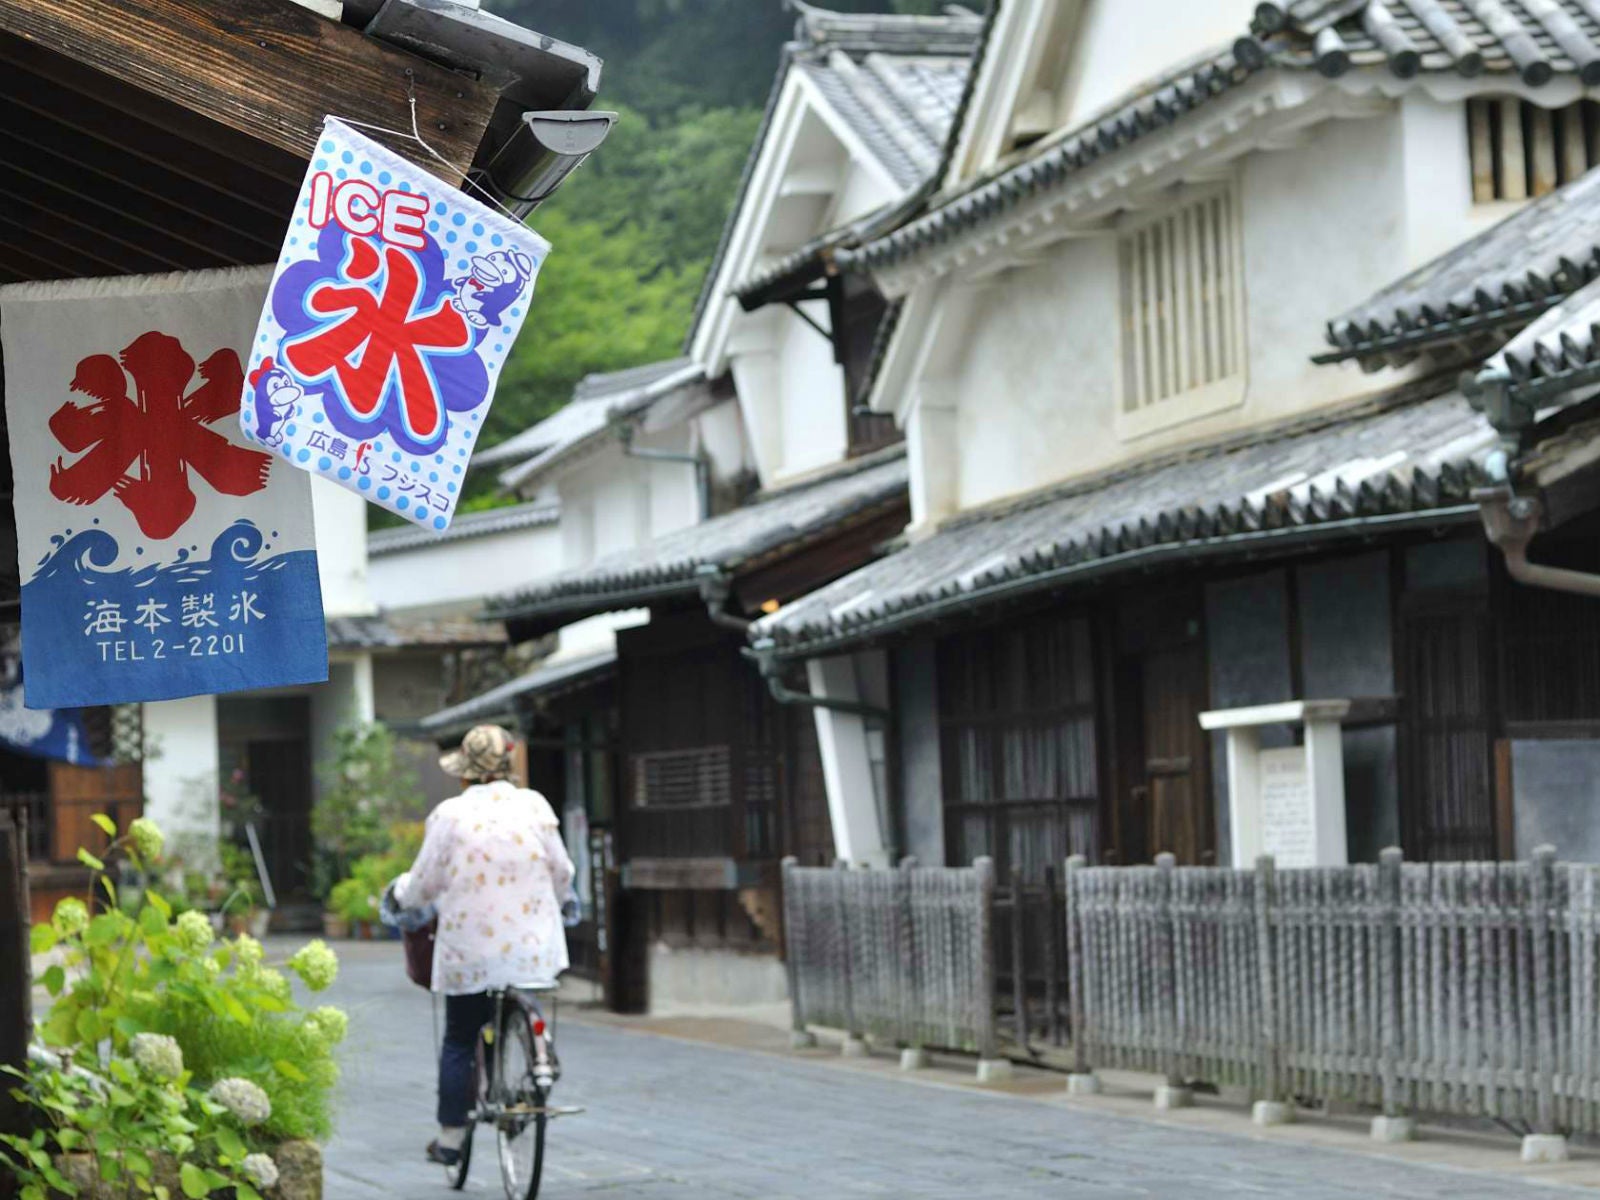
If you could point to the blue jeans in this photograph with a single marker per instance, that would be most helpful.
(464, 1016)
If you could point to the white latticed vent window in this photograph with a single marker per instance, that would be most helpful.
(1520, 150)
(1182, 313)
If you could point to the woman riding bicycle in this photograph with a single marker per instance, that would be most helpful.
(493, 865)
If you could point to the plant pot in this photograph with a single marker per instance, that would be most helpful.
(241, 923)
(260, 921)
(299, 1175)
(335, 926)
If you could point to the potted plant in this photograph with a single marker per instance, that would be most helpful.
(170, 1063)
(243, 899)
(366, 787)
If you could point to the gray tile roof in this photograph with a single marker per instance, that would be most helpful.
(1478, 293)
(891, 104)
(1406, 38)
(774, 524)
(467, 525)
(500, 703)
(383, 631)
(1391, 460)
(1555, 356)
(976, 202)
(1534, 39)
(589, 397)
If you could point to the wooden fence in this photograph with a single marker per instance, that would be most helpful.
(1470, 989)
(904, 956)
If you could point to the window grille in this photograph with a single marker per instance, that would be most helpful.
(698, 778)
(1519, 150)
(1182, 305)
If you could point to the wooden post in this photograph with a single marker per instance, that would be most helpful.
(1540, 897)
(1019, 967)
(792, 947)
(1388, 966)
(1266, 886)
(1076, 1028)
(910, 981)
(983, 1018)
(1166, 971)
(1052, 957)
(16, 980)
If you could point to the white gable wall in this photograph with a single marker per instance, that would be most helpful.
(448, 577)
(1032, 365)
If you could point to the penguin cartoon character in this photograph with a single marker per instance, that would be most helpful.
(276, 394)
(496, 281)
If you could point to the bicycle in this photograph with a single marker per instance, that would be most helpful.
(514, 1069)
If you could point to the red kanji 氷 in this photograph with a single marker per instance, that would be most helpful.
(375, 340)
(141, 448)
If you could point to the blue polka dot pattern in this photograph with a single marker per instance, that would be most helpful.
(383, 493)
(439, 522)
(303, 455)
(324, 463)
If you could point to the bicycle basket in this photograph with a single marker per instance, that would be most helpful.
(419, 954)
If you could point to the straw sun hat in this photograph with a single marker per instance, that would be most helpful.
(485, 753)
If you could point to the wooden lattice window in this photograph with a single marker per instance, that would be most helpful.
(1182, 309)
(697, 778)
(1521, 150)
(1018, 743)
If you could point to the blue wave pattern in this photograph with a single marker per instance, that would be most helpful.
(238, 617)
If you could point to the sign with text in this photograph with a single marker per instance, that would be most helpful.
(1288, 825)
(160, 555)
(390, 315)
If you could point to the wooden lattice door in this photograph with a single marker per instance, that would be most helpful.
(1447, 811)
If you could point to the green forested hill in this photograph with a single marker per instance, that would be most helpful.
(635, 228)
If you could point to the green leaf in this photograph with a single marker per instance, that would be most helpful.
(108, 888)
(138, 1163)
(54, 979)
(217, 1180)
(159, 902)
(234, 1009)
(127, 1026)
(104, 929)
(246, 1192)
(193, 1179)
(90, 860)
(105, 823)
(231, 1144)
(88, 1026)
(42, 939)
(289, 1071)
(151, 921)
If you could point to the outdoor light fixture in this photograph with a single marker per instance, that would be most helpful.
(546, 148)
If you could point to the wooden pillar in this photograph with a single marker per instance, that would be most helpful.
(16, 981)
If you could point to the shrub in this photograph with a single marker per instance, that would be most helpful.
(148, 1016)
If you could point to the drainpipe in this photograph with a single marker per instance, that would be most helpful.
(702, 469)
(1510, 522)
(715, 588)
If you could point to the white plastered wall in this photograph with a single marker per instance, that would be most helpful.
(180, 773)
(853, 754)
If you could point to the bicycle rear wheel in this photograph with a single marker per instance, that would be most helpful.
(520, 1128)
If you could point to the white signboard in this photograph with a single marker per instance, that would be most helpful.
(1288, 824)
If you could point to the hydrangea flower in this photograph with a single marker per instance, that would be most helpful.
(71, 917)
(194, 931)
(260, 1170)
(147, 838)
(211, 967)
(274, 983)
(245, 1100)
(157, 1055)
(331, 1024)
(249, 950)
(316, 965)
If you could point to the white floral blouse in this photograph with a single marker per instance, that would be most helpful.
(493, 864)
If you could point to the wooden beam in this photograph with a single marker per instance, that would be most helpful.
(267, 68)
(16, 983)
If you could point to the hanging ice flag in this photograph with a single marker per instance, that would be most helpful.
(394, 305)
(160, 556)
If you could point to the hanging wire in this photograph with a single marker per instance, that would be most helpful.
(416, 136)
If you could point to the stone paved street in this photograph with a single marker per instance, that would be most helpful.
(670, 1119)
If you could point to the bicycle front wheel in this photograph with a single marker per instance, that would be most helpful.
(522, 1117)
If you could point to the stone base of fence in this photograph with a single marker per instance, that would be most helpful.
(1544, 1148)
(853, 1046)
(1083, 1085)
(913, 1058)
(994, 1070)
(1272, 1112)
(1168, 1097)
(802, 1039)
(1394, 1129)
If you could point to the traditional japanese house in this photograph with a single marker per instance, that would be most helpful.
(154, 136)
(1136, 498)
